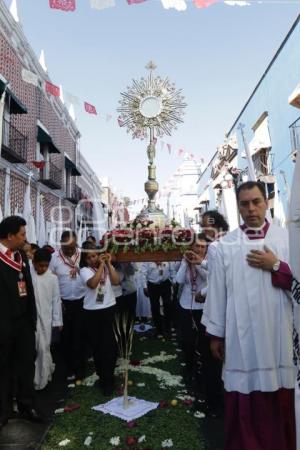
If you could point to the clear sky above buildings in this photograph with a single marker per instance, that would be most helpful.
(216, 55)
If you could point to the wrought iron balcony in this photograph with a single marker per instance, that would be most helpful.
(14, 144)
(51, 176)
(75, 195)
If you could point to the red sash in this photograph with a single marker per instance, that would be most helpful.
(68, 261)
(103, 275)
(10, 262)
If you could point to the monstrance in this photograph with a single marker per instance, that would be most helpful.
(151, 107)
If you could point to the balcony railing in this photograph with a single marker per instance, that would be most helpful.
(295, 135)
(14, 144)
(51, 176)
(75, 195)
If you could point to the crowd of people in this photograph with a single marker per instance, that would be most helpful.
(229, 299)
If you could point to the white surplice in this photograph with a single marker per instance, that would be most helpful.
(49, 314)
(254, 317)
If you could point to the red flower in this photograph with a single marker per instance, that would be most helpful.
(166, 235)
(163, 404)
(122, 236)
(188, 402)
(131, 424)
(184, 235)
(145, 235)
(131, 440)
(135, 362)
(71, 407)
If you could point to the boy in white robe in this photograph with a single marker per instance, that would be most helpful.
(49, 315)
(248, 314)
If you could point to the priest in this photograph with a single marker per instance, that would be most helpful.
(248, 314)
(17, 323)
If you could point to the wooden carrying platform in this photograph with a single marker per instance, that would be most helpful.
(158, 256)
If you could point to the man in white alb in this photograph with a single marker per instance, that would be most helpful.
(248, 314)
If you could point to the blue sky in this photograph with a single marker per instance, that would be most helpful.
(216, 55)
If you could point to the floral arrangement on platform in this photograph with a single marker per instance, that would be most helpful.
(140, 237)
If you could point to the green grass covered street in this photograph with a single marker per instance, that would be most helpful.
(174, 424)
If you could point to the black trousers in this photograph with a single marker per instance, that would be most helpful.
(126, 304)
(126, 307)
(74, 337)
(163, 290)
(198, 357)
(192, 337)
(17, 366)
(99, 325)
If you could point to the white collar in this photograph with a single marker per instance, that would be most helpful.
(3, 249)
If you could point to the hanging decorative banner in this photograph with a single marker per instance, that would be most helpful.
(169, 148)
(102, 4)
(52, 89)
(180, 152)
(29, 77)
(64, 5)
(179, 5)
(135, 2)
(90, 108)
(120, 121)
(237, 3)
(70, 98)
(203, 3)
(39, 164)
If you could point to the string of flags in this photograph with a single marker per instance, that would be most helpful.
(178, 5)
(56, 91)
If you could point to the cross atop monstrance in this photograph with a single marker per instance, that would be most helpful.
(151, 66)
(151, 108)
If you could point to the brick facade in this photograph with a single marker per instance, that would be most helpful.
(16, 54)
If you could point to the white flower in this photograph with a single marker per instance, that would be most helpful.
(115, 441)
(142, 439)
(90, 381)
(185, 397)
(178, 350)
(71, 385)
(59, 411)
(146, 353)
(183, 364)
(88, 441)
(167, 443)
(163, 357)
(141, 384)
(64, 443)
(166, 379)
(199, 415)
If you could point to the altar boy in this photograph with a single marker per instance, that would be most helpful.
(49, 315)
